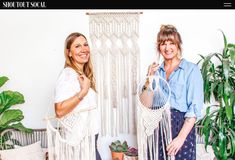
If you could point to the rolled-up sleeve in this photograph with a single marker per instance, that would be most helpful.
(195, 94)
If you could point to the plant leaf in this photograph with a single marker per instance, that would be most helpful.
(10, 116)
(10, 98)
(206, 130)
(219, 56)
(225, 39)
(20, 127)
(225, 45)
(216, 151)
(222, 145)
(231, 52)
(231, 137)
(226, 68)
(228, 108)
(3, 80)
(231, 45)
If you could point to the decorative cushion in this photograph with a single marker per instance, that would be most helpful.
(29, 152)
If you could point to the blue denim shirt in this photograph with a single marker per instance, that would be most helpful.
(186, 85)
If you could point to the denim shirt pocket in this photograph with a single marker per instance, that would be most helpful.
(176, 89)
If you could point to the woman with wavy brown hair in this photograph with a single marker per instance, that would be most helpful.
(75, 96)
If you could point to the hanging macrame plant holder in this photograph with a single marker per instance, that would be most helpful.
(154, 121)
(64, 144)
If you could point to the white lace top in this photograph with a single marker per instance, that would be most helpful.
(77, 124)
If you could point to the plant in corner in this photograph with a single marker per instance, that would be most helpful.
(131, 154)
(10, 118)
(118, 149)
(218, 124)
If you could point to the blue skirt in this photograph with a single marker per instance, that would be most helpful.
(188, 150)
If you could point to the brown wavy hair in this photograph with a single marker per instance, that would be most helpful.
(169, 33)
(69, 61)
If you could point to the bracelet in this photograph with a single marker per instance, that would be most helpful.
(146, 89)
(80, 98)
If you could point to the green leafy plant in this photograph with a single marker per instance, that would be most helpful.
(117, 146)
(218, 124)
(132, 151)
(10, 118)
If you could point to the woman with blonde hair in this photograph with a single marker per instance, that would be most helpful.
(75, 96)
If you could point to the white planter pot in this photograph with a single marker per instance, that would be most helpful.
(130, 157)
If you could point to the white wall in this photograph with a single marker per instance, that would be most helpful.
(31, 49)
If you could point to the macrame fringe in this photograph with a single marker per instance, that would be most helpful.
(62, 149)
(149, 123)
(116, 61)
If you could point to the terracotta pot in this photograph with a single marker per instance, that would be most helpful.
(126, 157)
(117, 155)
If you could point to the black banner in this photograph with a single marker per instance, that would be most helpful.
(117, 4)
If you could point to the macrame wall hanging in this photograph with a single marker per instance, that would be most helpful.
(115, 52)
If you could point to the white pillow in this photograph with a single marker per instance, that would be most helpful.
(29, 152)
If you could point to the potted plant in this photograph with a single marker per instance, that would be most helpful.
(118, 149)
(10, 118)
(218, 124)
(131, 154)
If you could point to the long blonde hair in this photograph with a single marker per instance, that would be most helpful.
(69, 61)
(169, 33)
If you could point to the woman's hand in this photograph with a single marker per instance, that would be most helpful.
(85, 84)
(175, 146)
(178, 142)
(152, 69)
